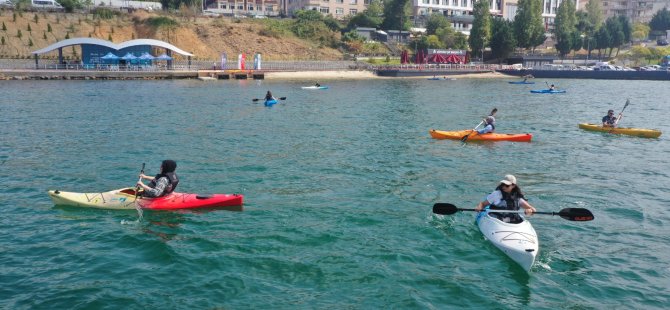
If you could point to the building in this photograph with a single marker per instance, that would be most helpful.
(244, 7)
(337, 8)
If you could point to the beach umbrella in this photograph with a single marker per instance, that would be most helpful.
(129, 56)
(163, 57)
(110, 56)
(146, 58)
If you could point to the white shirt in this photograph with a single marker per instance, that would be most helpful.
(496, 197)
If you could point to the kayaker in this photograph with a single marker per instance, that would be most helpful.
(163, 183)
(610, 120)
(489, 126)
(269, 96)
(317, 84)
(507, 196)
(552, 87)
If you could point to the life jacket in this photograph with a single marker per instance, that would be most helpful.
(509, 201)
(172, 182)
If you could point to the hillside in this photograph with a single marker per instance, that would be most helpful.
(205, 37)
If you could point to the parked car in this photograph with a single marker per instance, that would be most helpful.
(662, 42)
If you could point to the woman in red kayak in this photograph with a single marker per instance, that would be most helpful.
(163, 183)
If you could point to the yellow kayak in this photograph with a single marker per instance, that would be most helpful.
(638, 132)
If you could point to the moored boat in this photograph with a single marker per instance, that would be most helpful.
(473, 136)
(315, 87)
(521, 82)
(638, 132)
(125, 199)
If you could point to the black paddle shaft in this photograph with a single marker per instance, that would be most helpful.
(570, 214)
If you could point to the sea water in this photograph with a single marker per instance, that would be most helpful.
(338, 188)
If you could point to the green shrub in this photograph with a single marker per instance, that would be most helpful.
(19, 34)
(48, 27)
(161, 21)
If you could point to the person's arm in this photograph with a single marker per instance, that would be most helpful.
(492, 197)
(618, 118)
(156, 191)
(146, 177)
(529, 210)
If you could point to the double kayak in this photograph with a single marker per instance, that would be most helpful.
(124, 199)
(516, 240)
(315, 87)
(521, 82)
(271, 102)
(547, 91)
(473, 136)
(638, 132)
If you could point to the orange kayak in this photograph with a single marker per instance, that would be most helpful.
(492, 136)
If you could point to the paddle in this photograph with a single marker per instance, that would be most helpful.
(465, 138)
(256, 99)
(137, 191)
(137, 187)
(570, 214)
(618, 118)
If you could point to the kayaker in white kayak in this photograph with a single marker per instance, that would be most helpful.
(610, 120)
(507, 196)
(317, 84)
(163, 183)
(489, 125)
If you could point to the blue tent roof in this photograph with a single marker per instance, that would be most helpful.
(110, 56)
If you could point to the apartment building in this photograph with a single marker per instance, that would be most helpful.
(244, 7)
(337, 8)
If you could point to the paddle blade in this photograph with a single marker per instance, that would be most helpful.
(576, 214)
(255, 99)
(282, 98)
(444, 208)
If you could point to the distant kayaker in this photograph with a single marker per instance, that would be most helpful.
(507, 196)
(552, 87)
(163, 183)
(317, 84)
(489, 125)
(610, 120)
(269, 96)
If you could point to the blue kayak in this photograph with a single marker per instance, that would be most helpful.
(521, 82)
(547, 91)
(271, 102)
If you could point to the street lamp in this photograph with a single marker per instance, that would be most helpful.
(588, 47)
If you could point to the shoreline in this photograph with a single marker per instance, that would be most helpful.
(18, 74)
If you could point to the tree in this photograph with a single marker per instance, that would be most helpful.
(434, 41)
(660, 21)
(603, 39)
(371, 17)
(502, 38)
(396, 15)
(480, 33)
(640, 31)
(435, 22)
(565, 27)
(594, 9)
(528, 25)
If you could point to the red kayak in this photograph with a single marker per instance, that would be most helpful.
(124, 199)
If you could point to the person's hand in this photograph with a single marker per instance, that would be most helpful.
(140, 184)
(142, 176)
(478, 208)
(530, 211)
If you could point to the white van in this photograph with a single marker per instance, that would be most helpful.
(46, 4)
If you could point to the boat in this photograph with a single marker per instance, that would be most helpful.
(125, 199)
(492, 136)
(638, 132)
(516, 240)
(521, 82)
(547, 91)
(271, 102)
(315, 87)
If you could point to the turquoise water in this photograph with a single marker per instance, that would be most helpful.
(338, 189)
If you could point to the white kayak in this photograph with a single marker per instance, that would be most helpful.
(518, 241)
(315, 87)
